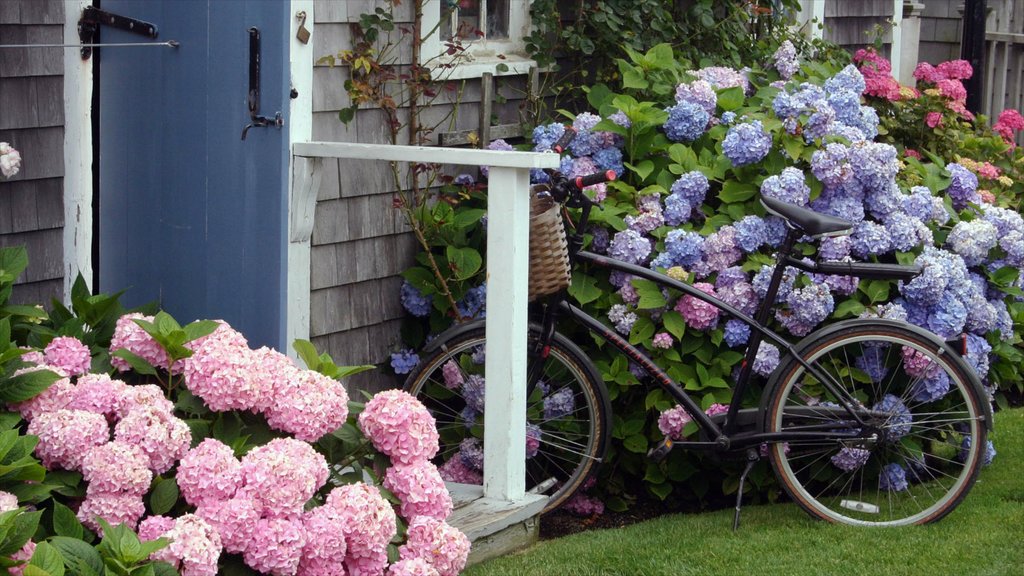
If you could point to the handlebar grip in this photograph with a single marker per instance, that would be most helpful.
(563, 141)
(591, 179)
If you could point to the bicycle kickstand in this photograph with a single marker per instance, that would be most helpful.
(752, 457)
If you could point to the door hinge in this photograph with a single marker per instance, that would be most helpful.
(92, 17)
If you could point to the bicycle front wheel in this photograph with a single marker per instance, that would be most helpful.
(567, 413)
(924, 434)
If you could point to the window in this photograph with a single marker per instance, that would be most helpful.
(491, 31)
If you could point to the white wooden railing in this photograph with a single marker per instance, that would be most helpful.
(508, 228)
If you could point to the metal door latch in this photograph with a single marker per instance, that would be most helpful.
(254, 88)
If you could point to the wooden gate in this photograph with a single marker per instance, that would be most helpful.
(1004, 58)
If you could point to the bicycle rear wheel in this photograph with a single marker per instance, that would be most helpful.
(925, 434)
(567, 413)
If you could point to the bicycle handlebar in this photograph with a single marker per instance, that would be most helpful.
(563, 141)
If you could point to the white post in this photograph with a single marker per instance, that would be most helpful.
(896, 52)
(508, 246)
(812, 18)
(78, 78)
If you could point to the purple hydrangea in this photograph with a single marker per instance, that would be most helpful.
(872, 363)
(622, 318)
(404, 361)
(848, 79)
(978, 350)
(600, 239)
(870, 239)
(473, 304)
(686, 122)
(545, 136)
(473, 392)
(874, 164)
(963, 186)
(559, 404)
(948, 317)
(930, 388)
(881, 202)
(499, 145)
(698, 92)
(892, 478)
(972, 240)
(785, 60)
(414, 301)
(831, 164)
(808, 307)
(722, 77)
(789, 186)
(906, 232)
(609, 159)
(736, 333)
(850, 459)
(899, 420)
(834, 247)
(620, 118)
(629, 246)
(764, 276)
(650, 216)
(766, 360)
(820, 123)
(720, 251)
(471, 451)
(918, 203)
(465, 180)
(746, 143)
(730, 276)
(775, 230)
(965, 448)
(739, 295)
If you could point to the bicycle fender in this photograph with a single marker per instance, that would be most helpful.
(948, 351)
(453, 331)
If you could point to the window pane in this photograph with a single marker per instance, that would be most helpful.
(497, 18)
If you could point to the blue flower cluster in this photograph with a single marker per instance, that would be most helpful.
(686, 194)
(850, 459)
(807, 307)
(622, 318)
(874, 164)
(686, 122)
(545, 136)
(789, 186)
(403, 361)
(963, 186)
(414, 301)
(474, 303)
(892, 478)
(682, 248)
(746, 143)
(870, 239)
(972, 240)
(899, 420)
(736, 333)
(630, 246)
(699, 92)
(751, 233)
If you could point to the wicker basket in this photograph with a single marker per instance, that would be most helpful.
(549, 252)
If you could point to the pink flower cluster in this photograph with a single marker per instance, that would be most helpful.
(877, 72)
(672, 421)
(584, 505)
(440, 545)
(420, 489)
(1009, 121)
(227, 375)
(412, 567)
(947, 78)
(195, 545)
(369, 523)
(662, 340)
(131, 337)
(400, 427)
(698, 314)
(209, 471)
(69, 354)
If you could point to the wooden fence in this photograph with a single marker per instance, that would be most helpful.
(1004, 58)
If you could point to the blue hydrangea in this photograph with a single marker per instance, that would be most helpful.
(786, 106)
(730, 276)
(682, 248)
(963, 186)
(972, 240)
(545, 136)
(404, 361)
(819, 124)
(808, 307)
(473, 392)
(677, 210)
(692, 187)
(629, 246)
(834, 248)
(728, 117)
(965, 448)
(465, 180)
(600, 239)
(906, 232)
(874, 164)
(789, 186)
(471, 451)
(940, 269)
(785, 60)
(775, 230)
(686, 122)
(850, 459)
(940, 215)
(892, 478)
(866, 122)
(736, 333)
(892, 311)
(698, 92)
(559, 404)
(835, 202)
(881, 202)
(586, 142)
(978, 350)
(846, 104)
(751, 233)
(899, 420)
(918, 203)
(474, 303)
(948, 317)
(1013, 245)
(746, 143)
(414, 301)
(609, 159)
(851, 134)
(622, 318)
(739, 295)
(830, 165)
(931, 388)
(763, 277)
(870, 239)
(620, 118)
(720, 251)
(849, 79)
(811, 96)
(1004, 322)
(766, 360)
(872, 363)
(1006, 221)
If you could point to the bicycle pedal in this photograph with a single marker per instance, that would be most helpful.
(659, 452)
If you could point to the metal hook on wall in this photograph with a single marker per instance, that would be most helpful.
(254, 88)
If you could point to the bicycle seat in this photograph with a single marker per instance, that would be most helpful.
(806, 220)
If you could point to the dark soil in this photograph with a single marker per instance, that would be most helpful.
(559, 523)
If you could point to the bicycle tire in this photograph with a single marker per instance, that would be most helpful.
(568, 412)
(930, 438)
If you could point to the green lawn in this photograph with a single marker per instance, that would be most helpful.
(984, 536)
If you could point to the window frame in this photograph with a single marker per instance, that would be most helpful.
(481, 56)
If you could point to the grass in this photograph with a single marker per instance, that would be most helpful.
(983, 536)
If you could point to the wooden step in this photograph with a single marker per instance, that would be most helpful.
(495, 527)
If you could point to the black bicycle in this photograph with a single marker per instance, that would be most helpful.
(866, 421)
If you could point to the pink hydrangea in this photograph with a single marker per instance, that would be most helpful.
(23, 555)
(359, 563)
(716, 408)
(153, 527)
(116, 468)
(917, 365)
(209, 471)
(100, 394)
(933, 119)
(144, 396)
(223, 332)
(54, 398)
(113, 508)
(65, 436)
(8, 502)
(268, 368)
(911, 153)
(163, 437)
(219, 371)
(282, 475)
(988, 171)
(276, 546)
(955, 69)
(412, 567)
(194, 549)
(952, 89)
(925, 72)
(369, 522)
(420, 489)
(324, 553)
(69, 354)
(455, 470)
(400, 427)
(308, 405)
(698, 314)
(662, 340)
(987, 196)
(442, 546)
(1012, 119)
(453, 378)
(235, 520)
(33, 356)
(584, 505)
(131, 337)
(672, 421)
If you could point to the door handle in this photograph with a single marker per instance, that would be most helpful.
(254, 88)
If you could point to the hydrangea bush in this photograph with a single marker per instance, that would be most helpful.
(221, 457)
(694, 149)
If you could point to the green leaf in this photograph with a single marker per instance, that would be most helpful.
(465, 262)
(736, 191)
(164, 496)
(13, 261)
(684, 156)
(730, 98)
(650, 294)
(20, 531)
(65, 523)
(876, 290)
(636, 443)
(28, 385)
(849, 307)
(79, 557)
(308, 353)
(346, 371)
(584, 288)
(674, 323)
(468, 217)
(137, 363)
(643, 329)
(660, 490)
(643, 169)
(346, 115)
(48, 559)
(794, 147)
(199, 328)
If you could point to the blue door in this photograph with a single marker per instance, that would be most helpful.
(189, 214)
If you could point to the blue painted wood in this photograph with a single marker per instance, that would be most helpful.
(189, 214)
